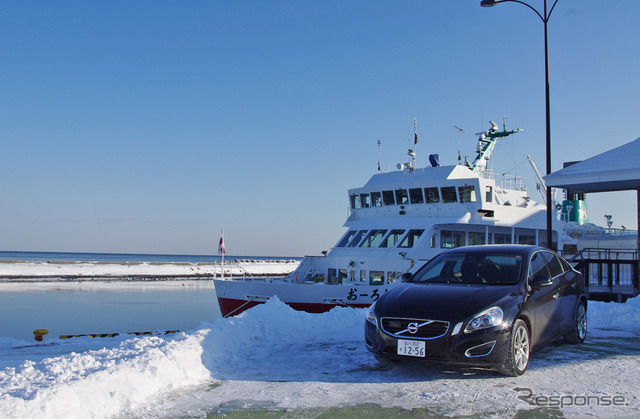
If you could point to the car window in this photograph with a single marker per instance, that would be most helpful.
(553, 263)
(538, 266)
(472, 269)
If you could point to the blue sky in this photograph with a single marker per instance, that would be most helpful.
(147, 126)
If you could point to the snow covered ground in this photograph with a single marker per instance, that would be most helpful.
(274, 358)
(27, 271)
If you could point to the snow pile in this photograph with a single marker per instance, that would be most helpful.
(614, 315)
(21, 271)
(104, 382)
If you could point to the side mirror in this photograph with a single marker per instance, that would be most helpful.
(406, 277)
(540, 281)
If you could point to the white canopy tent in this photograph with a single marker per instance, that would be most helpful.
(614, 170)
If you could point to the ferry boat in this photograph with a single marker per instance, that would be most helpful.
(398, 220)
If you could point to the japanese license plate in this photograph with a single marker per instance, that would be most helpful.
(411, 348)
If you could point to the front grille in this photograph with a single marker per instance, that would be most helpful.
(424, 329)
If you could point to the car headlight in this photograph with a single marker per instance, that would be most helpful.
(371, 316)
(489, 318)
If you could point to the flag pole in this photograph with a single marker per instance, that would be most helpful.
(222, 251)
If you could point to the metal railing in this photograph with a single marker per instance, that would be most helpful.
(610, 274)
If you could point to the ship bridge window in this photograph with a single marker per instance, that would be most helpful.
(489, 194)
(355, 201)
(449, 194)
(450, 239)
(431, 195)
(415, 195)
(357, 238)
(347, 238)
(411, 238)
(365, 200)
(402, 197)
(392, 238)
(376, 199)
(467, 193)
(374, 238)
(387, 198)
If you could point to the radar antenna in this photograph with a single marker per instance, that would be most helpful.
(379, 155)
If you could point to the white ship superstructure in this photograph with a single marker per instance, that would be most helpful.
(397, 221)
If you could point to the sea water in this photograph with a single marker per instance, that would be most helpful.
(72, 308)
(104, 307)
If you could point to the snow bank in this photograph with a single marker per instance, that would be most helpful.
(614, 315)
(29, 271)
(104, 382)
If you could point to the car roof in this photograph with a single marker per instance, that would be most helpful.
(497, 248)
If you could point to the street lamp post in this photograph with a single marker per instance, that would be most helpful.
(545, 19)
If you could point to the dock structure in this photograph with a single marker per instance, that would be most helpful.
(610, 274)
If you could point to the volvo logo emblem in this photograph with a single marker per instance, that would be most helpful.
(412, 328)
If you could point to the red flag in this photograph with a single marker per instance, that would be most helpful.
(221, 249)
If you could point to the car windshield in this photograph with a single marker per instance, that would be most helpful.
(472, 269)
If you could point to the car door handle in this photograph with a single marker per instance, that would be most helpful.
(574, 285)
(556, 295)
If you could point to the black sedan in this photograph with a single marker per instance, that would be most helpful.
(487, 306)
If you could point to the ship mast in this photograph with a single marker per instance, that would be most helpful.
(486, 143)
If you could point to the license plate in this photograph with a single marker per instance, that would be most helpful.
(411, 348)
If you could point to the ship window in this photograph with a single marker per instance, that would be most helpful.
(501, 238)
(374, 238)
(476, 238)
(411, 238)
(449, 194)
(416, 196)
(393, 276)
(431, 195)
(392, 238)
(526, 239)
(450, 239)
(432, 241)
(376, 277)
(489, 194)
(376, 199)
(363, 276)
(365, 200)
(355, 201)
(402, 197)
(467, 193)
(357, 238)
(347, 238)
(333, 276)
(387, 198)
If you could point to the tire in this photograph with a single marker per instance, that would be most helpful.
(579, 330)
(517, 358)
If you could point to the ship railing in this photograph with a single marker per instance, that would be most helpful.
(620, 231)
(505, 181)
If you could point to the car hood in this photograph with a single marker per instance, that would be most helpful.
(448, 302)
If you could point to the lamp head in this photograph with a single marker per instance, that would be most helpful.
(488, 3)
